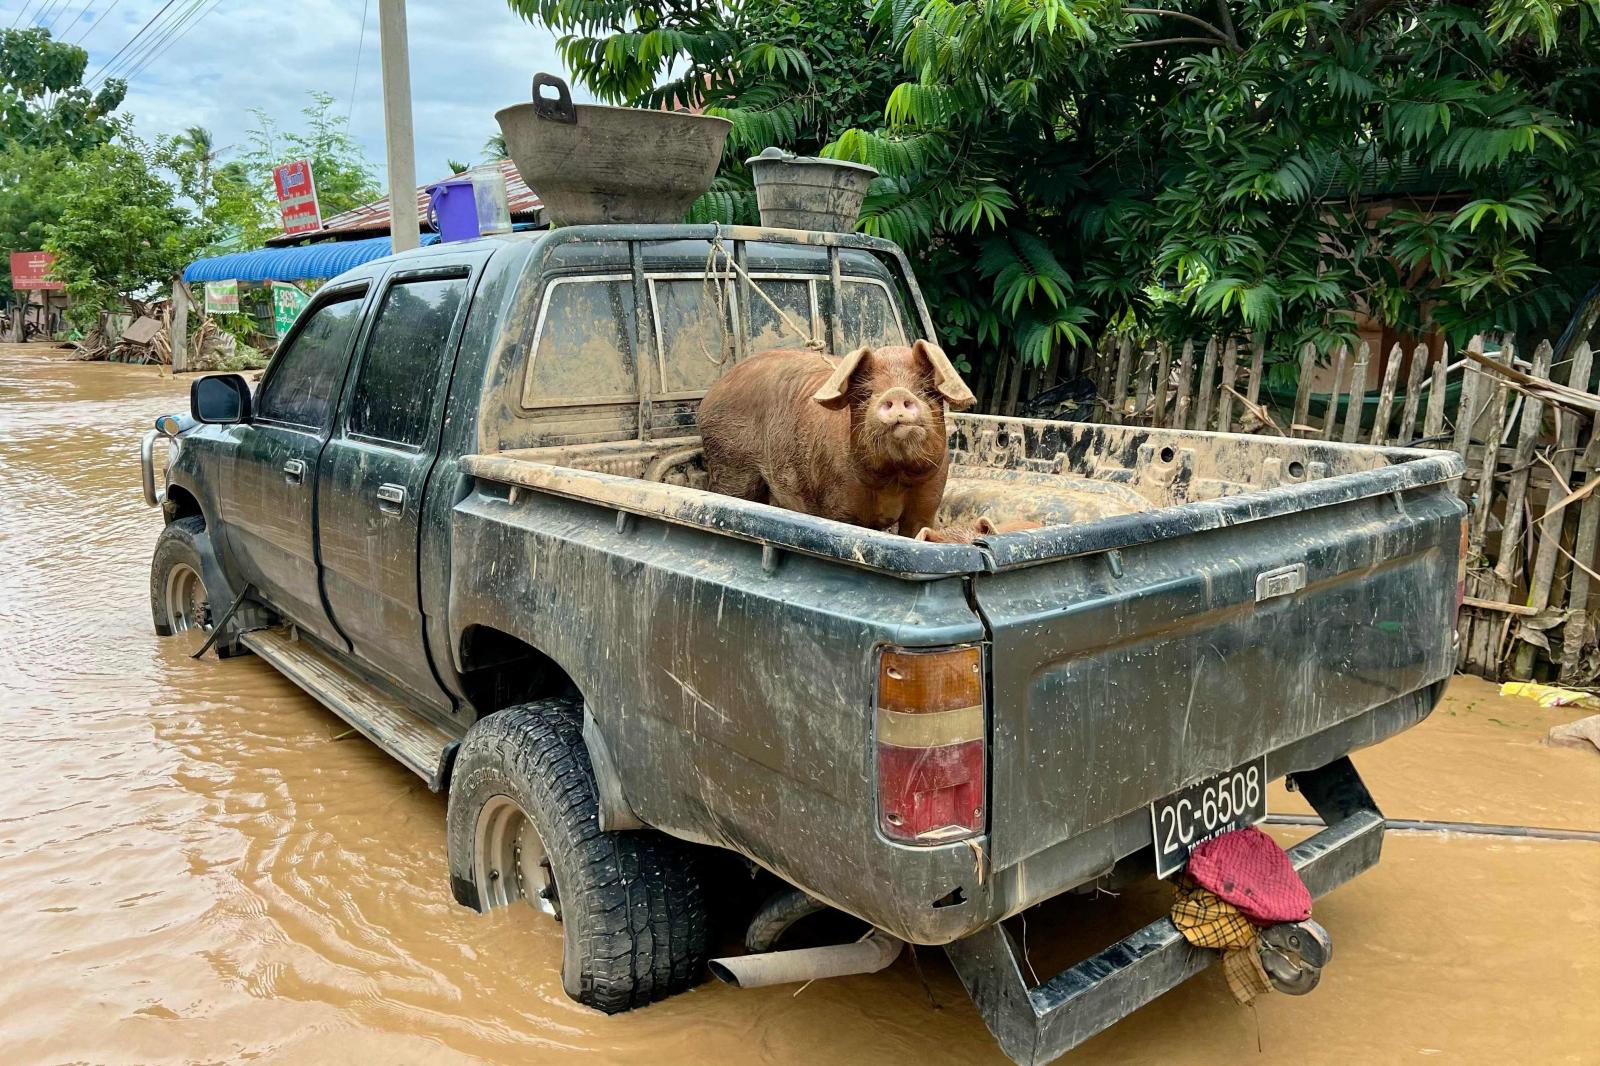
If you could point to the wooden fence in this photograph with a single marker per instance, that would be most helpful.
(1525, 427)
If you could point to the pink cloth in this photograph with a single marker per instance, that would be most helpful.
(1248, 869)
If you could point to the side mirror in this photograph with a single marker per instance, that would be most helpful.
(220, 399)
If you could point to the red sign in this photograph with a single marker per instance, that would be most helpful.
(297, 197)
(28, 270)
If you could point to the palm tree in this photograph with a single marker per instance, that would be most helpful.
(197, 142)
(495, 147)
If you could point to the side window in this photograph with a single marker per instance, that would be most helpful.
(304, 380)
(695, 332)
(869, 315)
(767, 328)
(399, 376)
(583, 350)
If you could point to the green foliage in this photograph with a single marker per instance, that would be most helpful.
(43, 101)
(122, 231)
(344, 177)
(1066, 168)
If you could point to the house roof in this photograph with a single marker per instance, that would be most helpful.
(371, 220)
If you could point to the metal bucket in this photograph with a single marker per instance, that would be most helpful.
(802, 192)
(592, 164)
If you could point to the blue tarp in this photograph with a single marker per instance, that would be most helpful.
(292, 264)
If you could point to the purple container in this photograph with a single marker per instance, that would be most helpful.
(452, 211)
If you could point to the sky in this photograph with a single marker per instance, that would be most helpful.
(469, 58)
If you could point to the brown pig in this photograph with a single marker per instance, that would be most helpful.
(966, 533)
(859, 439)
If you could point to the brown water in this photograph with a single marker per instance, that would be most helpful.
(192, 868)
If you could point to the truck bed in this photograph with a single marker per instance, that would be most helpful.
(1092, 488)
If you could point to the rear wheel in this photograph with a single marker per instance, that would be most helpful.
(524, 826)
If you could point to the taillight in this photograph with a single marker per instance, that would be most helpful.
(930, 738)
(1461, 568)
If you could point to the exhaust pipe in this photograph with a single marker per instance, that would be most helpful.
(808, 964)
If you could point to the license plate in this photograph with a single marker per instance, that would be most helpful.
(1205, 809)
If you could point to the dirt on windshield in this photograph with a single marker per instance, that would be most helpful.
(195, 868)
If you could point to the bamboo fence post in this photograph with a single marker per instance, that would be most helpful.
(1158, 411)
(1408, 413)
(997, 391)
(1204, 390)
(1550, 524)
(1575, 631)
(1358, 395)
(1141, 395)
(1258, 355)
(1331, 415)
(1180, 417)
(1467, 411)
(1433, 425)
(1119, 386)
(1391, 378)
(1230, 371)
(1481, 630)
(1298, 426)
(1505, 567)
(1012, 388)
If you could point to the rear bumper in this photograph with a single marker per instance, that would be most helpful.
(1035, 1024)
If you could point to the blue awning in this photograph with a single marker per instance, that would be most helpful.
(292, 264)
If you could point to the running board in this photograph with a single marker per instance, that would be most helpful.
(423, 746)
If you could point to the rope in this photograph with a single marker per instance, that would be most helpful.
(794, 327)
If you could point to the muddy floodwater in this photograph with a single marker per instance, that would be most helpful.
(194, 868)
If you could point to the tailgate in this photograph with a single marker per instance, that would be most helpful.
(1120, 676)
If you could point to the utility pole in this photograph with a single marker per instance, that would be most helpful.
(403, 228)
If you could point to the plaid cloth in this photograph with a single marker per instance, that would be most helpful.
(1207, 921)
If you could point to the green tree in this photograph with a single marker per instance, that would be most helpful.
(121, 232)
(1064, 168)
(344, 177)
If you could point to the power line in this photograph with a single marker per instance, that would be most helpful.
(180, 35)
(21, 14)
(157, 38)
(44, 12)
(355, 75)
(97, 21)
(75, 18)
(124, 49)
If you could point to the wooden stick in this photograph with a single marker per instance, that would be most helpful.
(1180, 417)
(1302, 391)
(1576, 629)
(1158, 412)
(1204, 391)
(1391, 378)
(1330, 417)
(1230, 369)
(1467, 410)
(1408, 413)
(1358, 395)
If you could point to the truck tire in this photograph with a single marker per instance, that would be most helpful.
(524, 825)
(178, 597)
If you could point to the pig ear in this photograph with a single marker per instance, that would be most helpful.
(985, 526)
(832, 393)
(945, 377)
(925, 533)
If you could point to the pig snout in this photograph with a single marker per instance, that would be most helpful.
(900, 408)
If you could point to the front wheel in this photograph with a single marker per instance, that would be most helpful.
(524, 826)
(179, 601)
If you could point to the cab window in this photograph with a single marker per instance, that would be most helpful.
(303, 384)
(400, 375)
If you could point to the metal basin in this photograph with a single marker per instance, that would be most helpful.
(595, 164)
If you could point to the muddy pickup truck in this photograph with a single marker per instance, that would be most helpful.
(464, 508)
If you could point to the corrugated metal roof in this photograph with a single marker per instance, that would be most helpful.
(323, 260)
(374, 217)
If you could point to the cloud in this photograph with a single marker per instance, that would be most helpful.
(468, 59)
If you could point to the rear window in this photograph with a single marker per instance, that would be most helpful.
(767, 328)
(583, 348)
(869, 314)
(695, 323)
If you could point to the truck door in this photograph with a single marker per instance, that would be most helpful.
(267, 507)
(374, 470)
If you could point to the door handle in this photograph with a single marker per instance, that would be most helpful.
(391, 498)
(293, 471)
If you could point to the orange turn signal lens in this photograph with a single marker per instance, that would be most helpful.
(926, 682)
